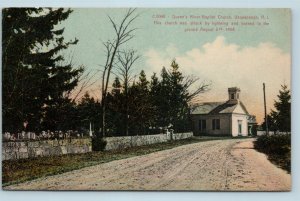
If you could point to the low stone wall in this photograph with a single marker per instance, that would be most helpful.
(180, 136)
(32, 149)
(114, 143)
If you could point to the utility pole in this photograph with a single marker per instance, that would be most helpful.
(265, 106)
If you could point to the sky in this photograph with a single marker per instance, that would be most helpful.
(245, 57)
(294, 195)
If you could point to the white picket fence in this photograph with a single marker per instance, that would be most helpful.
(259, 133)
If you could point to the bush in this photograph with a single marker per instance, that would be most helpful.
(277, 148)
(275, 144)
(254, 130)
(98, 143)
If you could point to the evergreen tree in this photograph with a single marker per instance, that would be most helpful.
(140, 114)
(271, 122)
(127, 58)
(179, 110)
(171, 99)
(115, 111)
(155, 100)
(88, 111)
(143, 83)
(35, 80)
(282, 114)
(116, 87)
(163, 98)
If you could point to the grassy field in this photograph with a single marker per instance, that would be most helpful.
(277, 148)
(28, 169)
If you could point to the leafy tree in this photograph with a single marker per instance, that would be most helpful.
(35, 80)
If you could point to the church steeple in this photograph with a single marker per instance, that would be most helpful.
(234, 95)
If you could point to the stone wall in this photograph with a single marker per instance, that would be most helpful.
(132, 141)
(180, 136)
(30, 149)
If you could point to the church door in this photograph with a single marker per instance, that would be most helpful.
(240, 127)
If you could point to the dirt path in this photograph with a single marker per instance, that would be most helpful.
(228, 165)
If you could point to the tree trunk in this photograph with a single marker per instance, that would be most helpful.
(103, 117)
(126, 113)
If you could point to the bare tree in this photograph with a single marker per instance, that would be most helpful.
(126, 60)
(86, 81)
(195, 87)
(123, 33)
(85, 78)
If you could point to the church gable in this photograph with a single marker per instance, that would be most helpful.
(239, 109)
(206, 108)
(223, 118)
(232, 105)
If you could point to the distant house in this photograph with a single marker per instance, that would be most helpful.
(223, 118)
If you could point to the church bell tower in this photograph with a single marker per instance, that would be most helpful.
(234, 95)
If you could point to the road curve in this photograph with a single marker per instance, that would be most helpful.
(220, 165)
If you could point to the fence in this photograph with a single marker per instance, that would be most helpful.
(18, 149)
(44, 135)
(259, 133)
(30, 149)
(132, 141)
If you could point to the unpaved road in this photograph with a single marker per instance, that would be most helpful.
(226, 165)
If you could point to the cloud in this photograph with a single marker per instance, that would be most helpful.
(227, 65)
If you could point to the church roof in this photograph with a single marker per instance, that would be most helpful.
(217, 108)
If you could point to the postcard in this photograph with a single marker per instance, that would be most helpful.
(146, 99)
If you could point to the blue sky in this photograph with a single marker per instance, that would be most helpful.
(245, 58)
(294, 195)
(91, 26)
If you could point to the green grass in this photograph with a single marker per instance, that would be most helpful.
(277, 148)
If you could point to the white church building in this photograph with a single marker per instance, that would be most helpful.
(228, 118)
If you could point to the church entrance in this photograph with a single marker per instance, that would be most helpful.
(240, 127)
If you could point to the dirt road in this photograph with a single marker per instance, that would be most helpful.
(226, 165)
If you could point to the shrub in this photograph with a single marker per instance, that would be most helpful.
(277, 148)
(98, 143)
(275, 144)
(254, 130)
